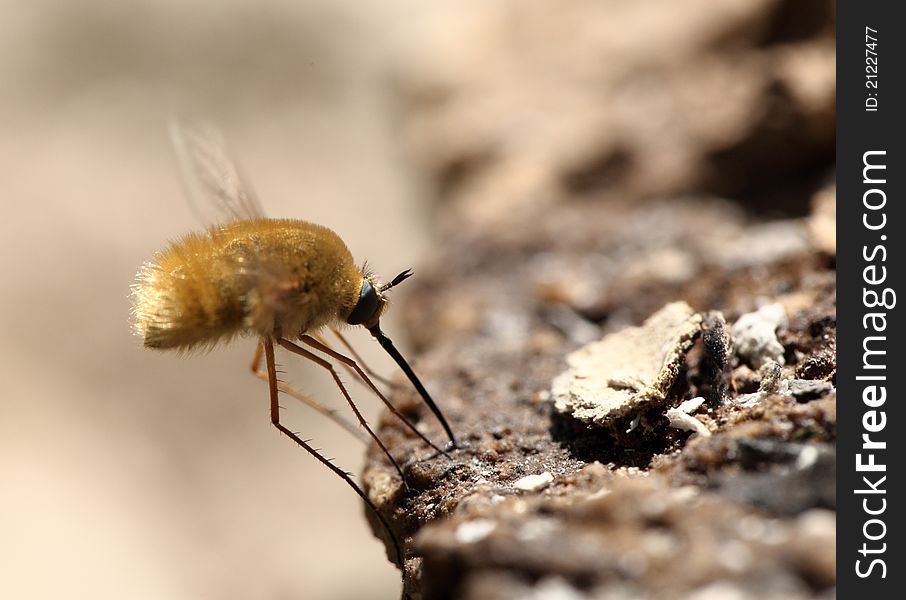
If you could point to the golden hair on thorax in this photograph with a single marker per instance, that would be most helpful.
(280, 280)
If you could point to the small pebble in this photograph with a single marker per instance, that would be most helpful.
(686, 422)
(531, 483)
(755, 335)
(772, 381)
(691, 405)
(807, 458)
(808, 389)
(474, 531)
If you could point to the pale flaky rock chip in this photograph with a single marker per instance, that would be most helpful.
(628, 372)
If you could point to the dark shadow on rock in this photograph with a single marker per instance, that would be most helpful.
(780, 477)
(590, 444)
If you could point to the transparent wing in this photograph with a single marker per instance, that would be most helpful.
(213, 182)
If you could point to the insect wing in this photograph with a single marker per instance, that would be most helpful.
(214, 184)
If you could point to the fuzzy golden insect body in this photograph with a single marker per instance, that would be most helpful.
(279, 280)
(252, 277)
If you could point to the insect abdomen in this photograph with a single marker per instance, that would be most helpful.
(188, 296)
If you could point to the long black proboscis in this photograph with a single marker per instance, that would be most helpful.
(387, 345)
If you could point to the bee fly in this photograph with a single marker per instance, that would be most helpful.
(277, 279)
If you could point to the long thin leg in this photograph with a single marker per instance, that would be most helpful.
(307, 339)
(323, 363)
(268, 344)
(388, 382)
(344, 365)
(291, 391)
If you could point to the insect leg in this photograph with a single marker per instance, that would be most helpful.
(291, 391)
(325, 364)
(307, 339)
(355, 355)
(268, 344)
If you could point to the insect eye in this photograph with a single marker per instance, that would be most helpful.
(366, 306)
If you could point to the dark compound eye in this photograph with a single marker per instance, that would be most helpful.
(367, 305)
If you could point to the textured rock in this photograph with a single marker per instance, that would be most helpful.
(629, 372)
(586, 179)
(609, 521)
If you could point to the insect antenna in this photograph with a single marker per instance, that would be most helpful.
(398, 280)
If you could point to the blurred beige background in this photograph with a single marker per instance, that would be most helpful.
(131, 474)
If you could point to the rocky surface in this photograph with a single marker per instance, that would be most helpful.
(655, 512)
(560, 232)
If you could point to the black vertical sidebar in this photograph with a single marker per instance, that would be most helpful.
(871, 55)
